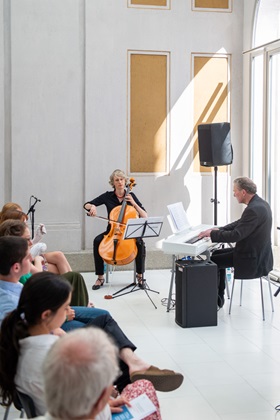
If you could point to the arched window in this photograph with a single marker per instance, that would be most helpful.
(265, 105)
(267, 22)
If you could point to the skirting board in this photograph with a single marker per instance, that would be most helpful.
(83, 261)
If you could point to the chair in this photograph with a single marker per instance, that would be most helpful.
(109, 271)
(17, 405)
(27, 404)
(241, 290)
(6, 414)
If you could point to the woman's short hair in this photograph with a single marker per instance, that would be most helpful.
(244, 183)
(118, 173)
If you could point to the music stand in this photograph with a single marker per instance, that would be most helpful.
(136, 229)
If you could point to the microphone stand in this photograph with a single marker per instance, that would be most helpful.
(32, 211)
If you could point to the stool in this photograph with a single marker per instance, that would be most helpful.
(109, 271)
(241, 289)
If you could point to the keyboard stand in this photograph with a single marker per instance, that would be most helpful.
(174, 257)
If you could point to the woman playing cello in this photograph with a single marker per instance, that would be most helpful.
(111, 199)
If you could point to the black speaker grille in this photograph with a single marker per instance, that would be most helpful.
(214, 144)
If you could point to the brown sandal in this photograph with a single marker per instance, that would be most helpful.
(164, 380)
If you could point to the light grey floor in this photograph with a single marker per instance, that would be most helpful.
(232, 371)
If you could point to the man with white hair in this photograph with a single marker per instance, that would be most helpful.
(88, 361)
(78, 372)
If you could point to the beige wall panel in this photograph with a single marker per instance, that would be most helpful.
(148, 113)
(212, 4)
(149, 2)
(210, 97)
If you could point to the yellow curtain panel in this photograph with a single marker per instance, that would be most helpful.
(211, 96)
(149, 2)
(212, 4)
(148, 113)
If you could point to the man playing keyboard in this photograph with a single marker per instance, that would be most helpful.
(252, 255)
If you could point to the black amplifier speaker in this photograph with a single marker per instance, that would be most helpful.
(214, 144)
(196, 293)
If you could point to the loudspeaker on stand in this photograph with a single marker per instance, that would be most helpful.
(214, 144)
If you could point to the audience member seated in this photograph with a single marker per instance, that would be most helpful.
(44, 289)
(54, 261)
(87, 360)
(17, 228)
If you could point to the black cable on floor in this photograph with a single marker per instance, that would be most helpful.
(164, 302)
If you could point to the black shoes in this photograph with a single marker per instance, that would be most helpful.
(98, 284)
(140, 281)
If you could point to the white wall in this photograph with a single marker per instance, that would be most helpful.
(47, 114)
(69, 108)
(249, 15)
(3, 115)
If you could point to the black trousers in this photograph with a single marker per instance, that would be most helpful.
(224, 259)
(110, 326)
(99, 263)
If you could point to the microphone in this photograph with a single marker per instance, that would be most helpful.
(37, 199)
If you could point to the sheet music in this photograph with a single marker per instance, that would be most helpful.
(178, 216)
(182, 241)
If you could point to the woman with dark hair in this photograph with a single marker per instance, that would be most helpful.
(26, 335)
(131, 365)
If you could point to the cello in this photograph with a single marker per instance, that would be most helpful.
(114, 249)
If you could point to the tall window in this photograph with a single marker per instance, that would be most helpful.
(265, 106)
(257, 121)
(273, 124)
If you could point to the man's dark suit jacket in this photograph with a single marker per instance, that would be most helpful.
(252, 255)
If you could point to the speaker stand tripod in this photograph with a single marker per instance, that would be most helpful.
(139, 229)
